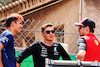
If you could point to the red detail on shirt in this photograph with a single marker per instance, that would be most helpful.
(47, 45)
(93, 50)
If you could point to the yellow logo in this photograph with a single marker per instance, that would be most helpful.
(96, 42)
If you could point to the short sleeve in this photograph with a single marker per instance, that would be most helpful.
(6, 39)
(81, 44)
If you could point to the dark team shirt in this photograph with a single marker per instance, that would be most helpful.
(8, 52)
(39, 51)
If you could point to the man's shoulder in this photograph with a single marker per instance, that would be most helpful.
(6, 33)
(56, 43)
(86, 37)
(81, 40)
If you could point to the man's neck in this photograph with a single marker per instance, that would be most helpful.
(48, 42)
(11, 30)
(89, 33)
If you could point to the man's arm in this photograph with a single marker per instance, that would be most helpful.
(64, 53)
(1, 47)
(24, 54)
(82, 49)
(81, 55)
(27, 52)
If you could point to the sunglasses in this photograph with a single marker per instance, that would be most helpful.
(81, 27)
(48, 31)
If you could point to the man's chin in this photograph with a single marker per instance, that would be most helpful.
(19, 32)
(50, 39)
(81, 35)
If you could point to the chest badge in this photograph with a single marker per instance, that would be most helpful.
(96, 42)
(55, 51)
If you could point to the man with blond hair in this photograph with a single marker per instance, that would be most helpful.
(7, 51)
(46, 49)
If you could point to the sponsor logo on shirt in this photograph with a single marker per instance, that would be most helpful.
(4, 39)
(55, 50)
(43, 51)
(96, 42)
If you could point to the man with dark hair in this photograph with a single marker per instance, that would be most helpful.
(7, 51)
(41, 50)
(89, 45)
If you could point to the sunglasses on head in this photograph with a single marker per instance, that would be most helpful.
(48, 31)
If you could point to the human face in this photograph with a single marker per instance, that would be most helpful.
(82, 30)
(18, 25)
(48, 36)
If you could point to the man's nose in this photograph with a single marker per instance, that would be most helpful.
(21, 26)
(51, 33)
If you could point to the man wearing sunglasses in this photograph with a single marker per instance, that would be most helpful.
(89, 45)
(46, 49)
(7, 51)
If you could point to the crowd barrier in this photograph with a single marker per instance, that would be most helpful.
(68, 63)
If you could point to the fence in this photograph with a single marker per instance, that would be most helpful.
(65, 33)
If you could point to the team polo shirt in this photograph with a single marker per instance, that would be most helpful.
(8, 52)
(92, 46)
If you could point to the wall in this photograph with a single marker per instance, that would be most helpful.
(91, 9)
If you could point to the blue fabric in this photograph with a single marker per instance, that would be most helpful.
(8, 52)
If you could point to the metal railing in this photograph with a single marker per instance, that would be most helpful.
(67, 63)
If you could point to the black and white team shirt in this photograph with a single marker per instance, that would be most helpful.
(40, 51)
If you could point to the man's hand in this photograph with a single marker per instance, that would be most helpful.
(81, 55)
(18, 65)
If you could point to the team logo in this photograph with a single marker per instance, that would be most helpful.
(96, 42)
(55, 51)
(4, 39)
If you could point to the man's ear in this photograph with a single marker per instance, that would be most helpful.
(12, 23)
(87, 28)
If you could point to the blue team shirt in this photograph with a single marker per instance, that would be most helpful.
(8, 52)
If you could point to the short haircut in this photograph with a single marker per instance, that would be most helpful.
(91, 29)
(13, 17)
(45, 26)
(9, 20)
